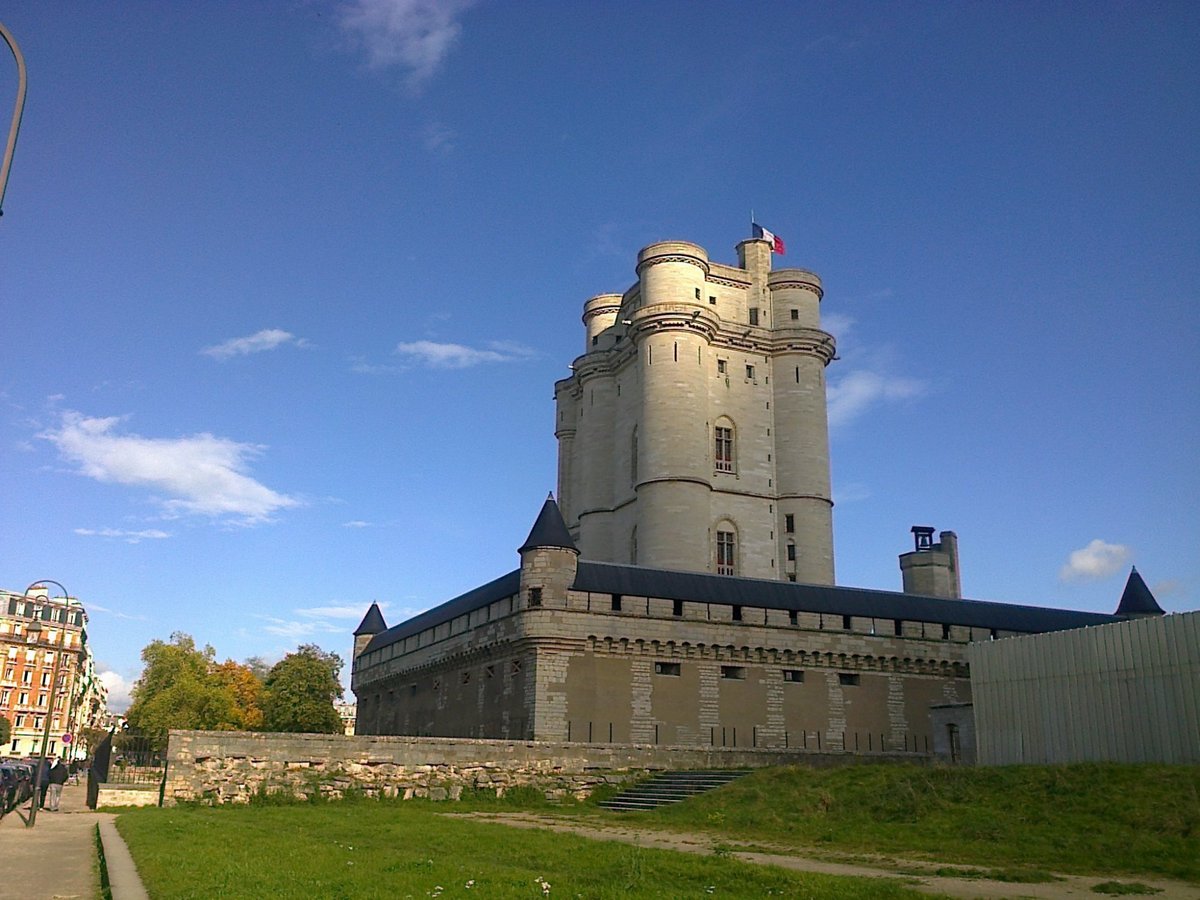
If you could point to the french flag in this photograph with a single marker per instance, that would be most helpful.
(771, 238)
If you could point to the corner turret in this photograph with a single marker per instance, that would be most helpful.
(371, 625)
(1136, 600)
(549, 559)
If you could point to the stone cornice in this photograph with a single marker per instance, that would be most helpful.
(824, 659)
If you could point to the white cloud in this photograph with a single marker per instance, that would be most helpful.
(200, 474)
(120, 690)
(837, 324)
(413, 35)
(439, 138)
(267, 339)
(1167, 588)
(356, 523)
(345, 611)
(131, 537)
(458, 356)
(856, 391)
(1097, 560)
(298, 631)
(96, 607)
(851, 492)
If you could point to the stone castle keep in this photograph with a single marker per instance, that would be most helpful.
(692, 433)
(681, 590)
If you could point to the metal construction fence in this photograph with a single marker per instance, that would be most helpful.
(758, 738)
(127, 758)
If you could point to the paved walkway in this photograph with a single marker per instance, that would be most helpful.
(56, 859)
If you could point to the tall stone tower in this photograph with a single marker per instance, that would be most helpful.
(693, 431)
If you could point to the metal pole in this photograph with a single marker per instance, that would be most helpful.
(18, 109)
(37, 780)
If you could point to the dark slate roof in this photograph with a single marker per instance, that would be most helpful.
(504, 586)
(610, 578)
(1136, 600)
(372, 622)
(549, 530)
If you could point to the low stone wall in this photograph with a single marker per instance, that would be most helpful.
(126, 795)
(231, 767)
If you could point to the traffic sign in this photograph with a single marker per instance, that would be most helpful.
(67, 738)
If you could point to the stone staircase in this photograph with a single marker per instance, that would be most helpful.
(670, 787)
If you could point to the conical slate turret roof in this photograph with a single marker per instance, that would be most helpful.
(1136, 600)
(549, 530)
(372, 622)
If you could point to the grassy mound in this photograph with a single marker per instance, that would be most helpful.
(1088, 818)
(370, 849)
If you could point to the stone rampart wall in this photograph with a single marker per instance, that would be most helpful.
(231, 767)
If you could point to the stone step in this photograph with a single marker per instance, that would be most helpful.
(670, 787)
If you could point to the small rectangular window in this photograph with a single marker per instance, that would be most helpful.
(847, 678)
(793, 616)
(754, 316)
(677, 608)
(722, 367)
(667, 668)
(846, 623)
(789, 523)
(535, 596)
(795, 314)
(697, 293)
(737, 614)
(791, 576)
(466, 677)
(945, 632)
(616, 602)
(750, 373)
(898, 627)
(791, 552)
(489, 671)
(736, 673)
(793, 675)
(712, 300)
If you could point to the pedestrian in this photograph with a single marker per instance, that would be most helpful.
(58, 777)
(41, 782)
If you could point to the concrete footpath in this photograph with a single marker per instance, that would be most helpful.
(56, 859)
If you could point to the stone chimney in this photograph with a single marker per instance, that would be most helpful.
(931, 569)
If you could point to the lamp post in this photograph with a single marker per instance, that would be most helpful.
(35, 629)
(18, 109)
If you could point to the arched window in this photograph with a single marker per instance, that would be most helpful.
(726, 548)
(724, 448)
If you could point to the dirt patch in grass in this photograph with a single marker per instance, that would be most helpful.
(939, 878)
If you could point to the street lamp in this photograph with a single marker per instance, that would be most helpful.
(33, 630)
(18, 109)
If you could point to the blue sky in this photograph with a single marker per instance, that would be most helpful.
(285, 286)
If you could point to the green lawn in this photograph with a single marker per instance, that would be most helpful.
(1103, 820)
(1088, 819)
(372, 849)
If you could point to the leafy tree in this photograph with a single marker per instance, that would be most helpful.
(247, 691)
(259, 666)
(300, 692)
(5, 730)
(176, 689)
(90, 738)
